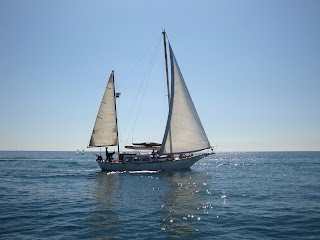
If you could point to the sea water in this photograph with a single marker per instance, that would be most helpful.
(258, 195)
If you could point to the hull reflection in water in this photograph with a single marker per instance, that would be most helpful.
(105, 217)
(182, 208)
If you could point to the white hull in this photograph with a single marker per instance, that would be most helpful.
(150, 166)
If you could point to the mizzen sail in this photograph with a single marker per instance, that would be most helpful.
(105, 128)
(184, 131)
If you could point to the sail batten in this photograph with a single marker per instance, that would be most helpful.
(184, 131)
(104, 133)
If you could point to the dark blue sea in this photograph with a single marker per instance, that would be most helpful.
(258, 195)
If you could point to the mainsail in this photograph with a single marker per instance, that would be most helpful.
(105, 128)
(184, 132)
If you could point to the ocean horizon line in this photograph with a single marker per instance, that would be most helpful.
(241, 151)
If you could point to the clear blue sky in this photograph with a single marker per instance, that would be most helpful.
(252, 68)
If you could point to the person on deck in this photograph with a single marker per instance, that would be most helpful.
(110, 156)
(107, 153)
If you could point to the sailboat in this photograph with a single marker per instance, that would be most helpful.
(184, 142)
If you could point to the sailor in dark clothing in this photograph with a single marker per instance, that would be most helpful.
(109, 155)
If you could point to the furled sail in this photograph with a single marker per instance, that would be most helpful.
(184, 132)
(105, 128)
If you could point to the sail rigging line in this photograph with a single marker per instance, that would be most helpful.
(143, 91)
(147, 78)
(132, 67)
(136, 96)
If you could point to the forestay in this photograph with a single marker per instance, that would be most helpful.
(184, 131)
(105, 128)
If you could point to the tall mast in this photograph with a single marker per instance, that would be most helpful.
(115, 108)
(166, 60)
(167, 76)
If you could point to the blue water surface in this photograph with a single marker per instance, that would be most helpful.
(258, 195)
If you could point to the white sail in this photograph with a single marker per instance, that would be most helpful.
(184, 131)
(105, 128)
